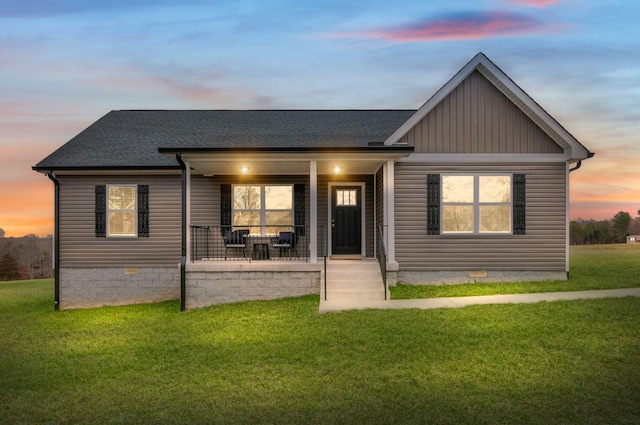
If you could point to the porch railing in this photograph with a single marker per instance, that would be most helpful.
(249, 243)
(382, 259)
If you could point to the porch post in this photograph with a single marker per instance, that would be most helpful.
(188, 208)
(313, 211)
(389, 210)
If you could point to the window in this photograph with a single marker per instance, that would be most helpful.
(263, 208)
(121, 210)
(346, 197)
(476, 204)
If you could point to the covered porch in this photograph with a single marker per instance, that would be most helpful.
(236, 250)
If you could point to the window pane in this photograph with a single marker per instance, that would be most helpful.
(279, 218)
(246, 218)
(278, 197)
(122, 223)
(246, 197)
(457, 218)
(122, 198)
(495, 189)
(457, 188)
(495, 218)
(346, 197)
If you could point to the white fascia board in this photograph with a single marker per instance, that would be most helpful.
(485, 158)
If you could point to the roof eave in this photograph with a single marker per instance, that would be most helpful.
(46, 169)
(292, 150)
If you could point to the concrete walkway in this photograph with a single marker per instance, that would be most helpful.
(430, 303)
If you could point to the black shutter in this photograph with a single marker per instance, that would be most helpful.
(519, 204)
(101, 211)
(225, 208)
(433, 204)
(143, 211)
(299, 209)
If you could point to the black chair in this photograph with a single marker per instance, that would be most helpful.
(287, 241)
(236, 239)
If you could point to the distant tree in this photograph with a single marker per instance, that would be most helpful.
(2, 230)
(590, 232)
(576, 233)
(9, 267)
(602, 232)
(620, 228)
(634, 228)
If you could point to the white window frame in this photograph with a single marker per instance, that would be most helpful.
(263, 207)
(134, 211)
(477, 204)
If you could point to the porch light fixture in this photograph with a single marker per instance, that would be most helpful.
(337, 169)
(244, 169)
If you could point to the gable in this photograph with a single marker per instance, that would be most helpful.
(477, 118)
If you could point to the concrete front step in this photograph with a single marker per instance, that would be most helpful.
(354, 281)
(356, 295)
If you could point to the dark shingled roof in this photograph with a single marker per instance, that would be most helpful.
(132, 138)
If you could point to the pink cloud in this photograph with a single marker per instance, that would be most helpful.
(536, 3)
(458, 27)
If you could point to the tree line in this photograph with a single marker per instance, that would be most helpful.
(27, 257)
(616, 230)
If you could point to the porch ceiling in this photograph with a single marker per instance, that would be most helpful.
(283, 164)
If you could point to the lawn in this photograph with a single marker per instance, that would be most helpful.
(279, 362)
(591, 267)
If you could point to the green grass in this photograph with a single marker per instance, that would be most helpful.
(279, 362)
(592, 267)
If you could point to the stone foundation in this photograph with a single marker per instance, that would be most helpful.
(490, 276)
(221, 284)
(87, 288)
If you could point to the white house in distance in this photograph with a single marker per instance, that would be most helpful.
(216, 206)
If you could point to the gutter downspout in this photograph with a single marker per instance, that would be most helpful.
(56, 242)
(579, 163)
(183, 258)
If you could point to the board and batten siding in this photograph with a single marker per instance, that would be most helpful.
(477, 118)
(79, 246)
(542, 248)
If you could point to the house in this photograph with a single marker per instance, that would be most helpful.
(633, 238)
(215, 206)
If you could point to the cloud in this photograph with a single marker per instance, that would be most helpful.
(536, 3)
(461, 26)
(48, 8)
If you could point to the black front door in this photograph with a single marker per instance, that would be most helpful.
(346, 216)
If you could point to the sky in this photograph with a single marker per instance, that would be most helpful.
(66, 63)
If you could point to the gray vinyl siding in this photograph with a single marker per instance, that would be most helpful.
(80, 248)
(541, 248)
(477, 118)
